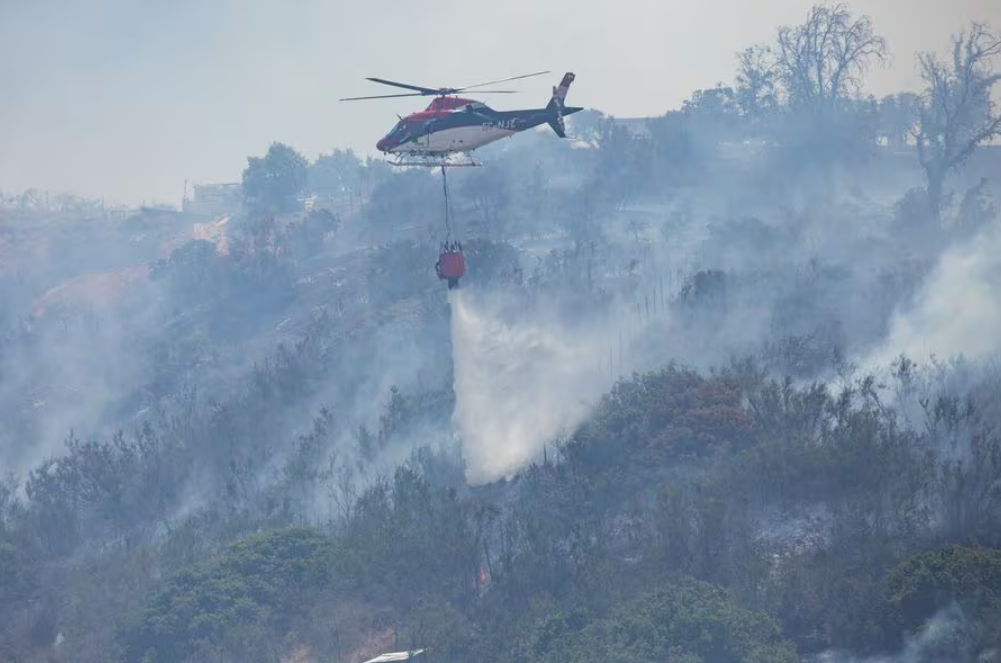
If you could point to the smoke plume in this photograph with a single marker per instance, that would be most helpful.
(956, 312)
(948, 636)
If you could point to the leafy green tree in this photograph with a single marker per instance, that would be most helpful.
(261, 581)
(659, 417)
(411, 540)
(930, 581)
(678, 156)
(688, 621)
(623, 168)
(305, 238)
(756, 90)
(713, 113)
(18, 588)
(337, 176)
(706, 532)
(489, 191)
(951, 577)
(586, 125)
(275, 183)
(189, 268)
(404, 202)
(496, 262)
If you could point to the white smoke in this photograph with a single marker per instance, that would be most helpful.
(518, 383)
(945, 637)
(957, 311)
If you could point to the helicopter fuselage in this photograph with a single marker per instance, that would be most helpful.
(471, 126)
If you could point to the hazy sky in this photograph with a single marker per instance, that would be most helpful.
(102, 98)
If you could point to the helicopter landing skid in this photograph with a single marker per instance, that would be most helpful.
(435, 161)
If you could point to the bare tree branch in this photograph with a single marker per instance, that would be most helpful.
(956, 111)
(824, 60)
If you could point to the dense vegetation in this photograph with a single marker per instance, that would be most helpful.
(267, 471)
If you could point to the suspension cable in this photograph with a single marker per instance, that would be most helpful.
(448, 205)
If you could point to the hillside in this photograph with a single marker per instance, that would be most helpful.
(719, 386)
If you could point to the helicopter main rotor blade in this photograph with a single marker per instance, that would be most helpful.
(385, 96)
(427, 91)
(406, 86)
(503, 80)
(419, 94)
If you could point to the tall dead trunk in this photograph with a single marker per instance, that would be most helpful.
(936, 182)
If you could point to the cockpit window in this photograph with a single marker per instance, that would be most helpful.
(400, 131)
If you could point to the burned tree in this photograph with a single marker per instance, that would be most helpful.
(815, 70)
(956, 111)
(823, 60)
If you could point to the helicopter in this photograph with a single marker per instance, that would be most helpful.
(452, 125)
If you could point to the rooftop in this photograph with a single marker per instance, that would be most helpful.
(395, 656)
